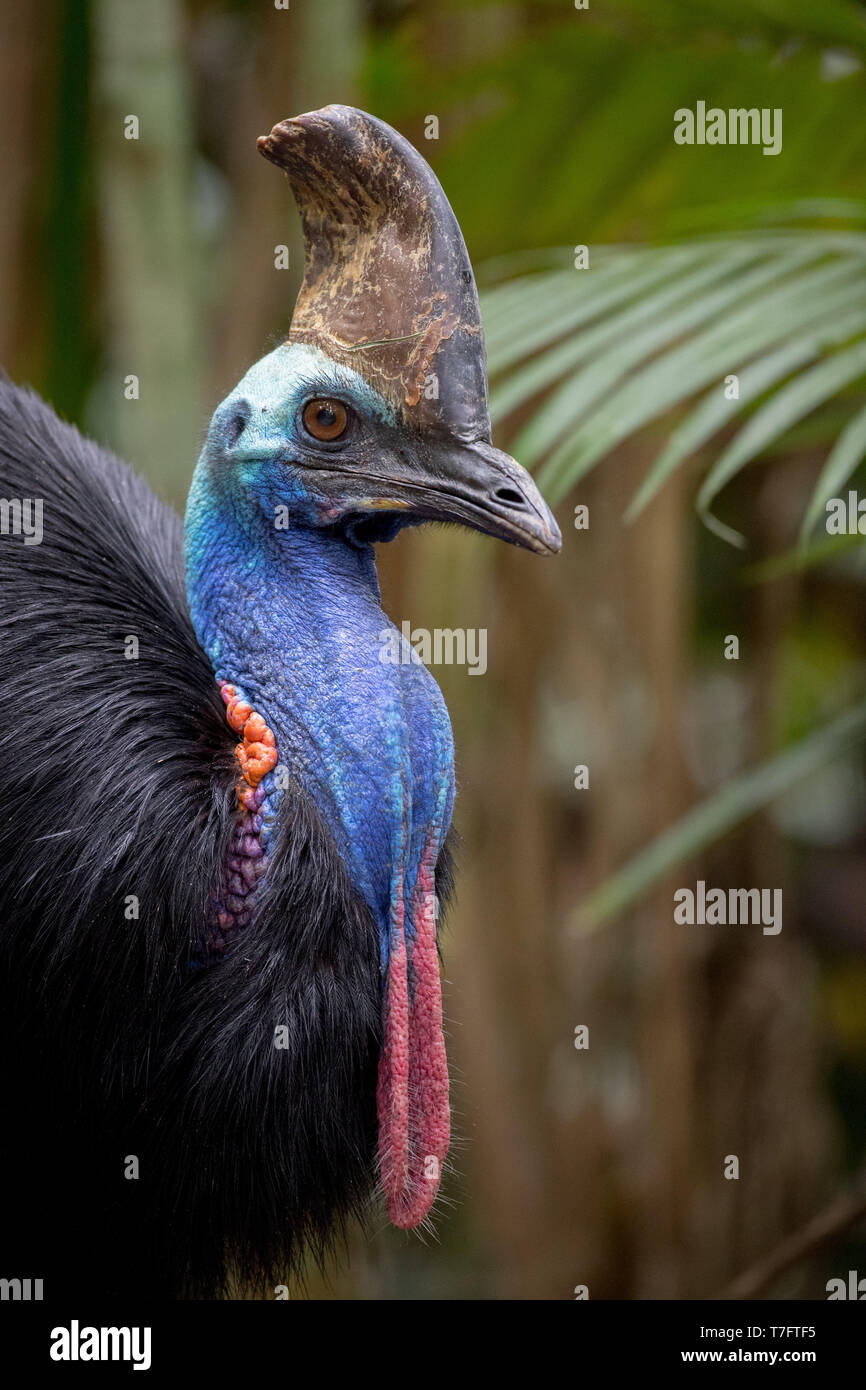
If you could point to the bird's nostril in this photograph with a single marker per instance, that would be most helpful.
(510, 496)
(235, 423)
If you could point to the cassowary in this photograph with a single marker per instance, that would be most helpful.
(225, 811)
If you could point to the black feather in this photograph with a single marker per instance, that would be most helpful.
(118, 781)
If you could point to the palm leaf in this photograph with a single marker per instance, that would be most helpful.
(609, 350)
(709, 357)
(717, 816)
(714, 411)
(807, 555)
(846, 454)
(788, 405)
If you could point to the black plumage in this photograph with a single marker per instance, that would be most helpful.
(118, 780)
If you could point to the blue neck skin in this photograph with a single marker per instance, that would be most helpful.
(292, 618)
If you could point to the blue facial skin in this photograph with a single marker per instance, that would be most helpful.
(288, 610)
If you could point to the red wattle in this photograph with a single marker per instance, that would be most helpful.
(412, 1093)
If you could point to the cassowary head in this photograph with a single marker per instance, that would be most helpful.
(373, 414)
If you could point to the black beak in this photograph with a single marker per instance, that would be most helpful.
(473, 485)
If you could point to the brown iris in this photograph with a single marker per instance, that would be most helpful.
(325, 419)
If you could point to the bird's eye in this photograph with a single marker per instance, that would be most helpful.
(325, 419)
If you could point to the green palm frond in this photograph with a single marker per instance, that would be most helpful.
(718, 815)
(596, 355)
(586, 359)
